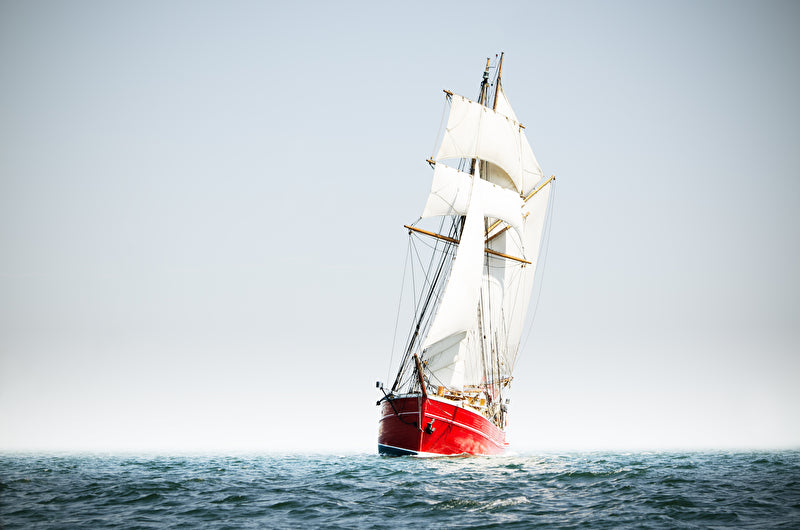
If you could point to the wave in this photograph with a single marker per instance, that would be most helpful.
(603, 490)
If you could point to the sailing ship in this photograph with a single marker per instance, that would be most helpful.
(490, 199)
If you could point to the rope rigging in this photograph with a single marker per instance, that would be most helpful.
(429, 299)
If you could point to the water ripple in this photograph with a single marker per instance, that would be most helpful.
(596, 490)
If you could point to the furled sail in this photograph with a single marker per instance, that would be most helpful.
(475, 131)
(450, 192)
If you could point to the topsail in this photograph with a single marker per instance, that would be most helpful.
(475, 131)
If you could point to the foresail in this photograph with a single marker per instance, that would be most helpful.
(450, 192)
(475, 131)
(451, 338)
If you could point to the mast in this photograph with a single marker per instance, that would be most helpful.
(492, 371)
(484, 83)
(486, 349)
(481, 100)
(497, 83)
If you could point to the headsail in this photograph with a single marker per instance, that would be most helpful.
(450, 344)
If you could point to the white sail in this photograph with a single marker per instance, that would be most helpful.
(529, 163)
(451, 338)
(517, 281)
(493, 319)
(450, 192)
(496, 175)
(536, 208)
(475, 333)
(503, 106)
(475, 131)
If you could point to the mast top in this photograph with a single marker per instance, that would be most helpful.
(484, 83)
(497, 82)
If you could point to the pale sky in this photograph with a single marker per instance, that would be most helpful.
(201, 210)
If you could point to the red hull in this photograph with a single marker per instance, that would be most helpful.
(404, 429)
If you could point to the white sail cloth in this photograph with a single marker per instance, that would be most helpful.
(450, 193)
(452, 337)
(475, 131)
(453, 348)
(503, 106)
(517, 282)
(482, 311)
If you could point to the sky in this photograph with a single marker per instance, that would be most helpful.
(202, 209)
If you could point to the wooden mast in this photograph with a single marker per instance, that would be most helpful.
(481, 100)
(497, 83)
(485, 82)
(490, 374)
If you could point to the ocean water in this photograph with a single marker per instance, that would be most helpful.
(581, 490)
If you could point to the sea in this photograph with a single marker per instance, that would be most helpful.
(550, 490)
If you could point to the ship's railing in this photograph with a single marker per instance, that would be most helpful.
(474, 396)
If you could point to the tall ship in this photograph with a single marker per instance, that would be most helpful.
(488, 206)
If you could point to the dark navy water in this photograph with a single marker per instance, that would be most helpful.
(590, 490)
